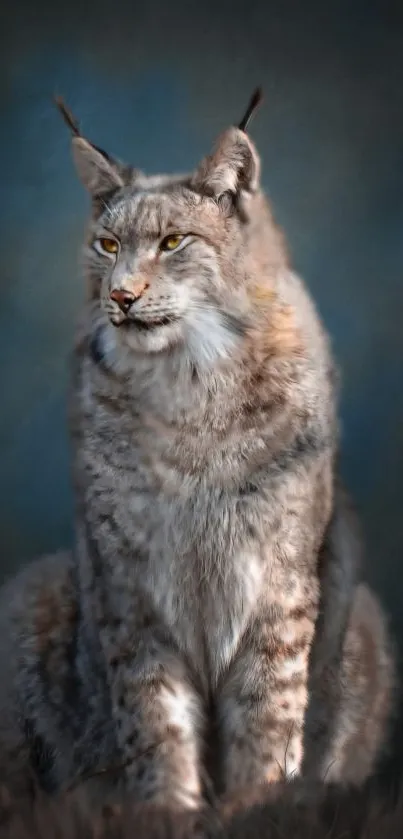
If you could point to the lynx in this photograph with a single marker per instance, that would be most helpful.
(210, 627)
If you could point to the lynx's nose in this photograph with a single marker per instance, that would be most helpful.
(123, 298)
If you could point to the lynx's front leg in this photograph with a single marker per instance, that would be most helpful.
(264, 694)
(158, 718)
(262, 704)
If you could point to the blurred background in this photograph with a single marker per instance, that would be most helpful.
(154, 83)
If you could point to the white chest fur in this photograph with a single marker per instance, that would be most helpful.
(234, 608)
(216, 609)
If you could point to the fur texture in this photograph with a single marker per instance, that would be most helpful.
(210, 625)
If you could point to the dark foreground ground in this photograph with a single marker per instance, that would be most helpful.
(286, 812)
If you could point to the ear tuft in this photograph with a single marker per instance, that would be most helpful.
(96, 170)
(69, 118)
(255, 100)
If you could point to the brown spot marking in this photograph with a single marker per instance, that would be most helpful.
(280, 728)
(298, 613)
(173, 732)
(296, 681)
(280, 650)
(110, 403)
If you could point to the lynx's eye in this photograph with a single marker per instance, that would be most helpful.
(171, 243)
(104, 245)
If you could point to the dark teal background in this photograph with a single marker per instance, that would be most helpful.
(155, 83)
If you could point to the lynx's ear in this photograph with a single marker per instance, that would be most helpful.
(96, 170)
(234, 165)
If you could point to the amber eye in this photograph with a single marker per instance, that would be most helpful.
(107, 245)
(170, 243)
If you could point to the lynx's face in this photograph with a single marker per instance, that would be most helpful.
(167, 254)
(159, 259)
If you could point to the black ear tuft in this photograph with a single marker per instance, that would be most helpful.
(99, 173)
(68, 117)
(255, 101)
(232, 172)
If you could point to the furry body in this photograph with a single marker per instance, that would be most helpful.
(214, 572)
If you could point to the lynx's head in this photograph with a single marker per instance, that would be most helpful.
(169, 257)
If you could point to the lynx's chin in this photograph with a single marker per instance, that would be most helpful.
(150, 336)
(143, 325)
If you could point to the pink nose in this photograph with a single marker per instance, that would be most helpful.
(123, 298)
